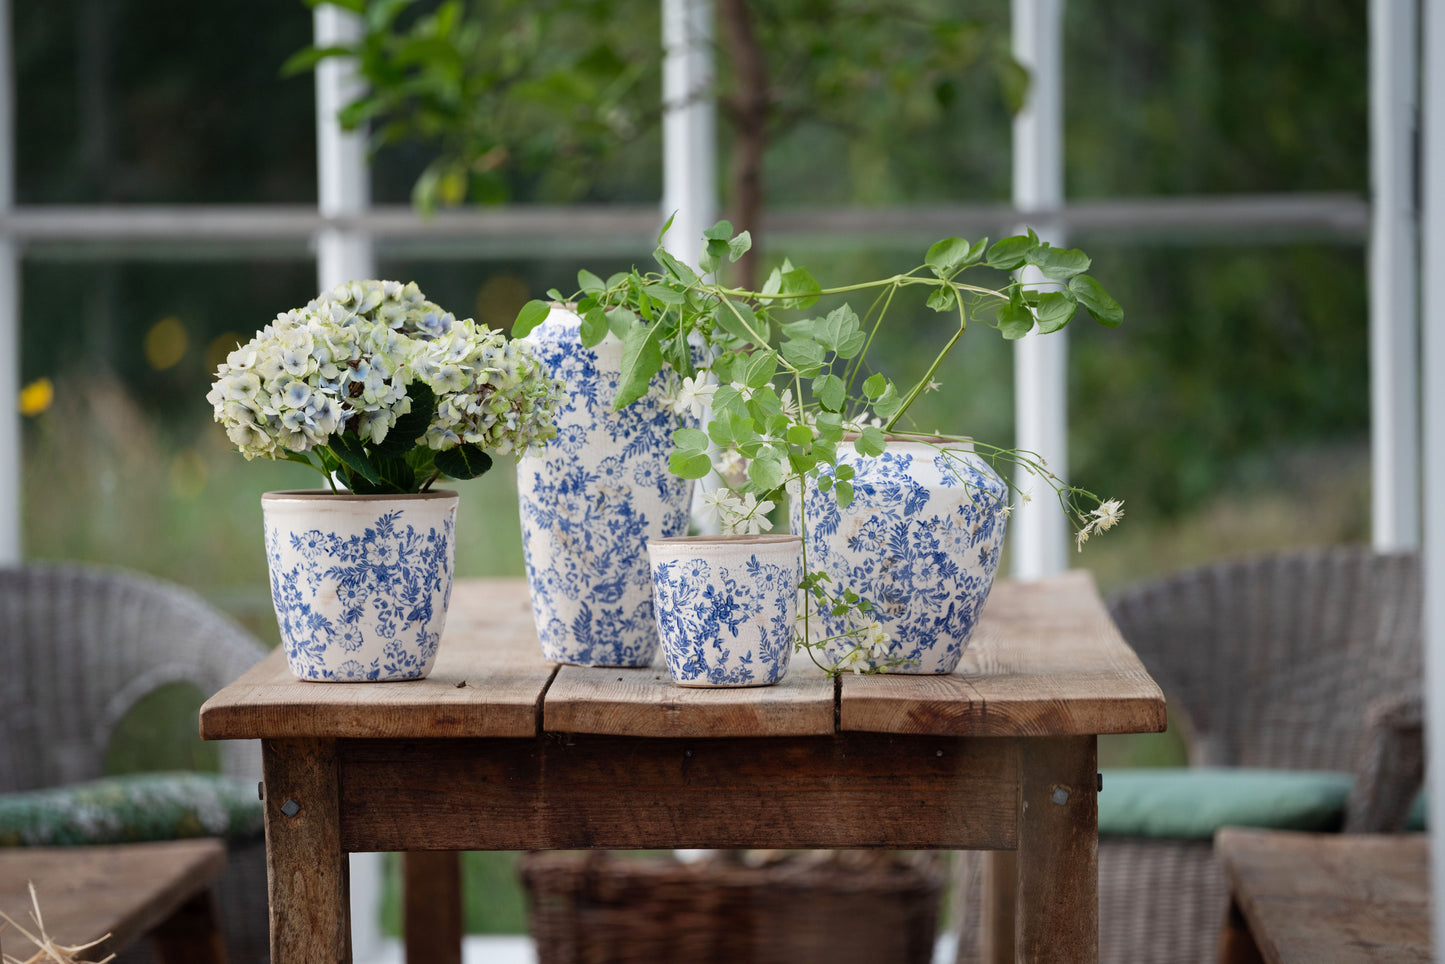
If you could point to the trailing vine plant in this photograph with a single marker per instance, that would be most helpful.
(786, 388)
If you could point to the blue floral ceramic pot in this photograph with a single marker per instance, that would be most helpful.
(360, 582)
(920, 540)
(727, 607)
(591, 502)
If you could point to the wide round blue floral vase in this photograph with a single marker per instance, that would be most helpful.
(727, 607)
(591, 502)
(360, 582)
(920, 541)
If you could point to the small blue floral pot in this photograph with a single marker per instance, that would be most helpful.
(726, 606)
(920, 541)
(360, 582)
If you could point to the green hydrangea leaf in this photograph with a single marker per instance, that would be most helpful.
(466, 461)
(351, 451)
(402, 437)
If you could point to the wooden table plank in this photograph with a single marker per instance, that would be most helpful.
(124, 890)
(627, 793)
(645, 702)
(1331, 898)
(488, 681)
(1046, 660)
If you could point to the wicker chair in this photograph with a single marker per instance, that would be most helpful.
(80, 646)
(1300, 661)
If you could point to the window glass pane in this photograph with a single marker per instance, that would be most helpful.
(1223, 97)
(136, 101)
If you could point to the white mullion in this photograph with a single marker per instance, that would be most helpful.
(1038, 531)
(1394, 278)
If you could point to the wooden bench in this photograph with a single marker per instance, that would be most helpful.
(1325, 898)
(128, 891)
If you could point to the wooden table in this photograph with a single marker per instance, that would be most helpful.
(500, 750)
(129, 891)
(1325, 898)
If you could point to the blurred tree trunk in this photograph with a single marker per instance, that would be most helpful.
(749, 109)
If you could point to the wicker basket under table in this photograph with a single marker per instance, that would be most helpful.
(595, 908)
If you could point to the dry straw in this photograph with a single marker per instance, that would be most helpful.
(47, 950)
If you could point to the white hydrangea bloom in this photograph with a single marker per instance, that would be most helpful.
(346, 360)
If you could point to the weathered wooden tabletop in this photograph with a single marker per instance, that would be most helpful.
(1046, 661)
(1327, 898)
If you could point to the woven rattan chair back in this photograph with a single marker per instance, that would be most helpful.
(80, 645)
(1274, 661)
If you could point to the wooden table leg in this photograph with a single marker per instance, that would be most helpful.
(1058, 854)
(1236, 941)
(997, 907)
(306, 869)
(432, 900)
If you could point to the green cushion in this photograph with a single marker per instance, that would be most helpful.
(1419, 818)
(1191, 803)
(131, 808)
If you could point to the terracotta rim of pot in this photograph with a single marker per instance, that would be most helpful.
(757, 540)
(326, 495)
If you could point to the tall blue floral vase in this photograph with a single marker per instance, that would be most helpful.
(360, 583)
(592, 500)
(920, 540)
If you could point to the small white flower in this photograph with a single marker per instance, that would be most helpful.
(932, 386)
(693, 395)
(720, 505)
(746, 516)
(1108, 514)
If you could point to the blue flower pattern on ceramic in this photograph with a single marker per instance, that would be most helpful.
(392, 585)
(920, 540)
(589, 505)
(707, 614)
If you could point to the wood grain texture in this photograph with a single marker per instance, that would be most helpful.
(1057, 890)
(582, 792)
(999, 908)
(1331, 898)
(126, 890)
(306, 870)
(645, 702)
(488, 681)
(431, 892)
(1046, 660)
